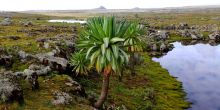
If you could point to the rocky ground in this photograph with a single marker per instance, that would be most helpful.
(35, 71)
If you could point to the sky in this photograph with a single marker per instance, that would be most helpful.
(21, 5)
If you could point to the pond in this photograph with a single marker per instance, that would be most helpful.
(198, 68)
(68, 21)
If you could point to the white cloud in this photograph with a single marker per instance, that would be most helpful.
(88, 4)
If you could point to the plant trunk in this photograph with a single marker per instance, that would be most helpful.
(121, 75)
(104, 92)
(132, 64)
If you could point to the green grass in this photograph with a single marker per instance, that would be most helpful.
(153, 87)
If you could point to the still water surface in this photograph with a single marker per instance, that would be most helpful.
(68, 21)
(198, 68)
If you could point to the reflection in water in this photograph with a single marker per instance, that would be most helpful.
(68, 21)
(198, 67)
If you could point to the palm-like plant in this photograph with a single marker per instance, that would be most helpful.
(79, 63)
(133, 42)
(103, 43)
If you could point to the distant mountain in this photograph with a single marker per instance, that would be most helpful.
(101, 8)
(136, 8)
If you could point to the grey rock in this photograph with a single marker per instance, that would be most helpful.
(163, 47)
(185, 33)
(183, 26)
(69, 44)
(215, 36)
(29, 23)
(10, 88)
(56, 63)
(24, 55)
(154, 47)
(61, 98)
(162, 34)
(46, 45)
(6, 22)
(195, 35)
(40, 69)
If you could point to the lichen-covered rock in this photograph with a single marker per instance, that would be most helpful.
(74, 88)
(40, 70)
(10, 88)
(170, 27)
(195, 35)
(183, 26)
(46, 45)
(163, 34)
(29, 23)
(154, 47)
(6, 22)
(215, 36)
(159, 35)
(61, 98)
(184, 33)
(163, 47)
(56, 63)
(25, 56)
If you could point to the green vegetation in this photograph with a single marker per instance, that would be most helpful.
(102, 43)
(80, 63)
(151, 88)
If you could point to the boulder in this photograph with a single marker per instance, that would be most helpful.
(215, 36)
(154, 47)
(159, 35)
(61, 98)
(25, 56)
(184, 33)
(56, 63)
(74, 88)
(29, 23)
(163, 47)
(183, 26)
(6, 22)
(10, 89)
(170, 27)
(162, 35)
(46, 45)
(38, 69)
(195, 35)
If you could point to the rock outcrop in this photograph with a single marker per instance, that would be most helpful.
(159, 35)
(10, 88)
(61, 98)
(55, 63)
(215, 36)
(6, 22)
